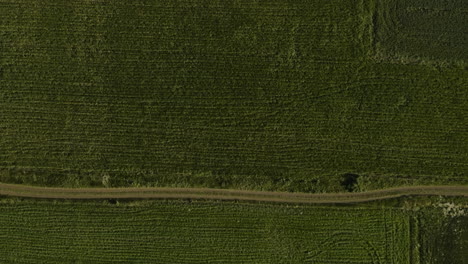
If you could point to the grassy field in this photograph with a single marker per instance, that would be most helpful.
(408, 230)
(444, 235)
(421, 31)
(34, 231)
(274, 95)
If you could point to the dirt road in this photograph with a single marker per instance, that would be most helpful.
(226, 194)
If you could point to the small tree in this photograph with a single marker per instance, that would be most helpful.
(349, 182)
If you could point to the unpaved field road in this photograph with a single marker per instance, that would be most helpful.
(225, 194)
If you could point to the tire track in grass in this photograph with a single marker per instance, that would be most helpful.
(227, 194)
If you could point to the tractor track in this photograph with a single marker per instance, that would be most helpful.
(226, 194)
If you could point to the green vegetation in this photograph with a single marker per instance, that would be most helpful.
(274, 95)
(422, 31)
(286, 95)
(199, 232)
(419, 230)
(445, 236)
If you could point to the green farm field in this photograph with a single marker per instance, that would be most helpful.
(317, 96)
(201, 232)
(413, 231)
(421, 31)
(281, 95)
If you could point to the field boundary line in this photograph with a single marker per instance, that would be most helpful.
(226, 194)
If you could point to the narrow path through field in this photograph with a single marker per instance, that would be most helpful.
(226, 194)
